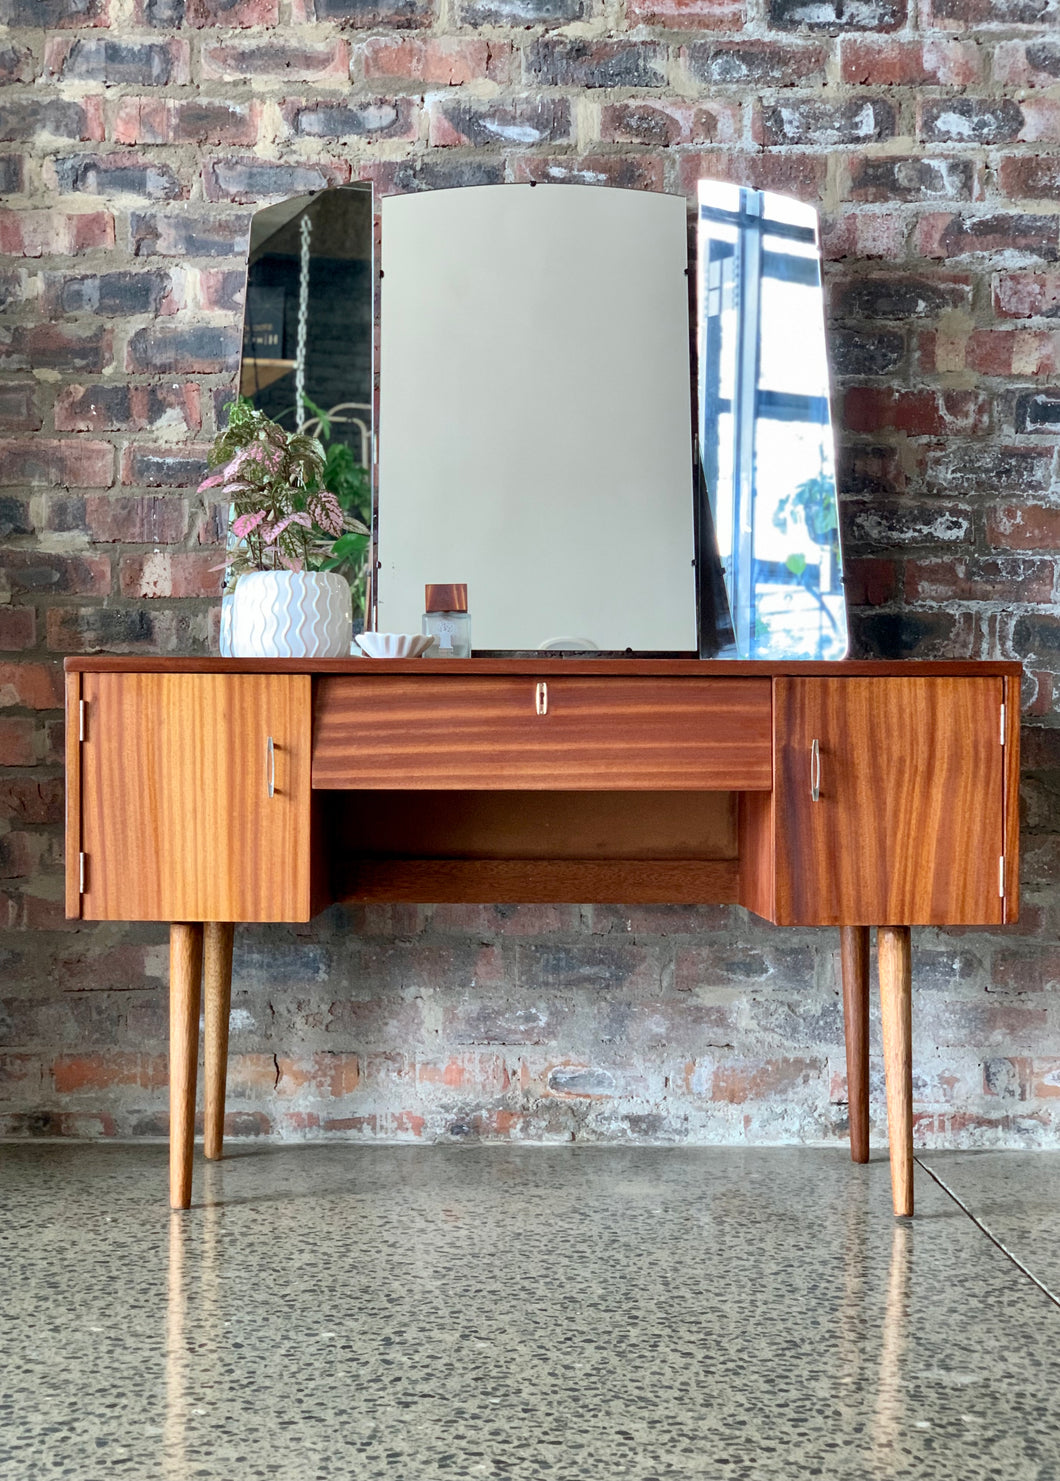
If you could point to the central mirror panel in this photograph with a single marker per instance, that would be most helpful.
(535, 416)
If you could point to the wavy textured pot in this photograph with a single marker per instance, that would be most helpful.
(291, 614)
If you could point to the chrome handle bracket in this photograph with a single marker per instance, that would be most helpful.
(270, 767)
(815, 771)
(541, 699)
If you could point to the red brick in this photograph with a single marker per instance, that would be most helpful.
(31, 686)
(163, 573)
(626, 172)
(1034, 178)
(980, 580)
(106, 1071)
(1027, 295)
(112, 62)
(200, 349)
(251, 179)
(1024, 970)
(185, 121)
(57, 13)
(755, 63)
(887, 61)
(58, 347)
(663, 123)
(48, 573)
(875, 177)
(955, 15)
(16, 64)
(18, 630)
(739, 1081)
(221, 289)
(27, 799)
(869, 581)
(963, 120)
(309, 61)
(376, 15)
(946, 235)
(1027, 63)
(324, 1073)
(513, 123)
(107, 295)
(163, 467)
(161, 520)
(22, 854)
(688, 15)
(146, 177)
(989, 468)
(919, 413)
(801, 175)
(569, 62)
(436, 61)
(70, 464)
(18, 741)
(18, 407)
(1013, 352)
(860, 234)
(54, 233)
(821, 124)
(361, 118)
(108, 408)
(52, 117)
(1024, 526)
(201, 13)
(191, 234)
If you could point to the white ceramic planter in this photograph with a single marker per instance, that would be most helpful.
(291, 614)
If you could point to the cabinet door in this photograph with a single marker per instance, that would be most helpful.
(908, 827)
(177, 821)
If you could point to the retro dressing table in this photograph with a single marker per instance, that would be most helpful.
(211, 792)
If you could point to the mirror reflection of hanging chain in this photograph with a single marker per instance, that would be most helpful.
(306, 228)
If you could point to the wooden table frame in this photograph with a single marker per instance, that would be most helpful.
(851, 794)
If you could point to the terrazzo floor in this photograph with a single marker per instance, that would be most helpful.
(574, 1314)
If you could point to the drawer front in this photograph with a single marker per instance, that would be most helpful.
(555, 732)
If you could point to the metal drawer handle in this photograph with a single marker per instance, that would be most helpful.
(542, 699)
(270, 767)
(815, 771)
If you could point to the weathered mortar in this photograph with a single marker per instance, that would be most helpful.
(139, 136)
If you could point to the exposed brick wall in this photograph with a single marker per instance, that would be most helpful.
(136, 137)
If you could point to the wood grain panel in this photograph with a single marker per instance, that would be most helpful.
(73, 798)
(177, 822)
(452, 731)
(542, 664)
(538, 881)
(532, 825)
(1012, 800)
(908, 828)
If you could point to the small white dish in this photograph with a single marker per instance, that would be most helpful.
(393, 645)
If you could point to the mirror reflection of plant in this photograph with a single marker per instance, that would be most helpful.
(815, 500)
(349, 481)
(284, 516)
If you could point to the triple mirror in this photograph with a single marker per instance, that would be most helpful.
(613, 430)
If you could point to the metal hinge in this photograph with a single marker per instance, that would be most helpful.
(1002, 724)
(82, 862)
(1001, 876)
(82, 717)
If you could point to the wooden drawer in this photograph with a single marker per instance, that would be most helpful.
(491, 733)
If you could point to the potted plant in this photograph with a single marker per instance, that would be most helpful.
(285, 526)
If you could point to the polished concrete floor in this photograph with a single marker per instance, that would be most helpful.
(421, 1314)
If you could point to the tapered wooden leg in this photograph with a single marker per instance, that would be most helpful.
(854, 951)
(217, 990)
(896, 1002)
(185, 986)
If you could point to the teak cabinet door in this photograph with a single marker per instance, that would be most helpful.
(908, 828)
(176, 818)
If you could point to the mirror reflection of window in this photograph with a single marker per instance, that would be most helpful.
(765, 428)
(308, 342)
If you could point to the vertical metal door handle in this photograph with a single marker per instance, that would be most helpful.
(270, 767)
(815, 771)
(542, 699)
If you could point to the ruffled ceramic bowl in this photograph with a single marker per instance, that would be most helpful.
(393, 645)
